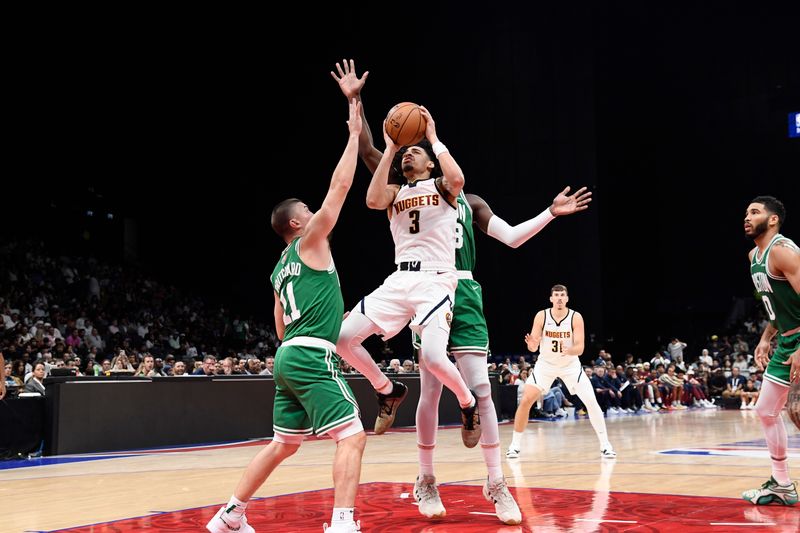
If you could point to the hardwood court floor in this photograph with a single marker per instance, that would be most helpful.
(663, 458)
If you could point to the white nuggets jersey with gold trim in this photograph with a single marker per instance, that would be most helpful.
(555, 337)
(423, 226)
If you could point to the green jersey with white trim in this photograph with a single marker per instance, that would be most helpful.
(465, 238)
(312, 299)
(780, 299)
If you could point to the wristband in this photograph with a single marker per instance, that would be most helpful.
(439, 148)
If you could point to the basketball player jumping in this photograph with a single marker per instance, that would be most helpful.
(469, 337)
(310, 395)
(422, 218)
(775, 269)
(558, 334)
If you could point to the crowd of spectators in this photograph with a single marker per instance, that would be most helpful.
(95, 318)
(723, 373)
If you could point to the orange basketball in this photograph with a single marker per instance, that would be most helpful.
(405, 124)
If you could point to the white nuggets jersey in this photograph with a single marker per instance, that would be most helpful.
(423, 226)
(555, 337)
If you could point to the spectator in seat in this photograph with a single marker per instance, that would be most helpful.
(209, 366)
(749, 394)
(35, 384)
(734, 385)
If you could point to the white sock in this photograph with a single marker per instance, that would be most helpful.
(427, 418)
(769, 406)
(490, 438)
(235, 508)
(425, 454)
(342, 515)
(491, 456)
(516, 440)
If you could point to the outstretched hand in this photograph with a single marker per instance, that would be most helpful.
(348, 81)
(529, 342)
(566, 205)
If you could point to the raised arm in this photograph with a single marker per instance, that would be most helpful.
(452, 179)
(514, 236)
(533, 338)
(351, 86)
(380, 194)
(577, 336)
(314, 247)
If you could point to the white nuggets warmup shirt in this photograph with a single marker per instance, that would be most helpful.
(556, 336)
(423, 226)
(422, 289)
(552, 363)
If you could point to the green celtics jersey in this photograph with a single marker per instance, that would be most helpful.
(465, 238)
(312, 299)
(780, 299)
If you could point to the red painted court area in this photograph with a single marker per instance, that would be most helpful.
(387, 507)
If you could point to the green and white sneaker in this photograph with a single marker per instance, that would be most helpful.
(771, 492)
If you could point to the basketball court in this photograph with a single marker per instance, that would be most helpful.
(680, 470)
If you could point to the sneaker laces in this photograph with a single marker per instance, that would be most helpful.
(468, 414)
(500, 493)
(383, 404)
(769, 483)
(427, 491)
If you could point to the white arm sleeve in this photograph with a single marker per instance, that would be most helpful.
(516, 235)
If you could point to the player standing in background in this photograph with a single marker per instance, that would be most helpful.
(775, 269)
(558, 334)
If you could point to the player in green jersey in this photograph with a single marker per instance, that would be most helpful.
(311, 396)
(775, 269)
(469, 337)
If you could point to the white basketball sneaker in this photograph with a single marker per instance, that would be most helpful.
(512, 453)
(222, 523)
(608, 453)
(507, 510)
(426, 493)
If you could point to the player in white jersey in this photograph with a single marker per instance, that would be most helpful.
(558, 334)
(422, 217)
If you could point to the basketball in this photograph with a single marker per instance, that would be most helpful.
(405, 124)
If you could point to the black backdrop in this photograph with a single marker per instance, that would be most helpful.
(192, 128)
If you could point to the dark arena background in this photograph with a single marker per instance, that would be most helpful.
(158, 144)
